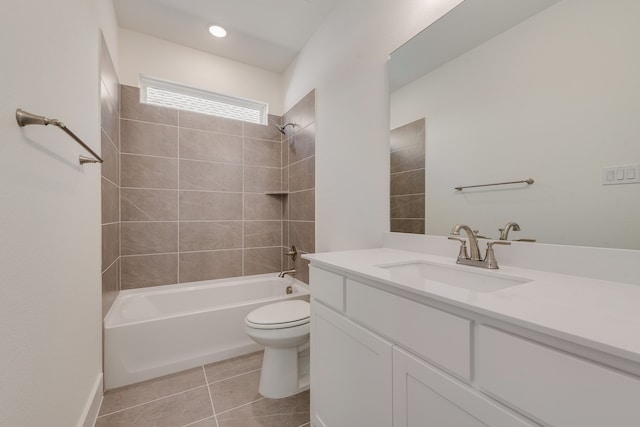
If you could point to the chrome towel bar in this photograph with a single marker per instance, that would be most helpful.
(25, 118)
(527, 181)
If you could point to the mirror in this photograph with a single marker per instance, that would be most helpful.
(547, 90)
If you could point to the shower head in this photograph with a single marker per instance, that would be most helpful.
(282, 128)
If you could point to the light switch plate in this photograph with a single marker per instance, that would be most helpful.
(614, 175)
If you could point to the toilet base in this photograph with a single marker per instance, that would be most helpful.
(285, 372)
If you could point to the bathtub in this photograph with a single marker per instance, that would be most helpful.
(160, 330)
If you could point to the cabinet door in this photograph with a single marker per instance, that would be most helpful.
(350, 373)
(423, 397)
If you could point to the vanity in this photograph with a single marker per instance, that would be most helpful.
(403, 336)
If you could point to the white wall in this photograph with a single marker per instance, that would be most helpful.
(346, 61)
(143, 54)
(50, 288)
(554, 99)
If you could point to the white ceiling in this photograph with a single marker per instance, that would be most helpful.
(264, 33)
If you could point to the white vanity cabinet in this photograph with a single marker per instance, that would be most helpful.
(380, 357)
(351, 370)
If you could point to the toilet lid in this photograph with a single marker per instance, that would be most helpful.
(283, 314)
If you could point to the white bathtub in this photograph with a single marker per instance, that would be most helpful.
(156, 331)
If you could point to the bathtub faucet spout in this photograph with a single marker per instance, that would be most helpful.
(291, 272)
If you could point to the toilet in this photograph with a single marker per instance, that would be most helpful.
(283, 329)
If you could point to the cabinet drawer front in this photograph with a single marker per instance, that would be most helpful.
(555, 387)
(440, 337)
(425, 396)
(327, 287)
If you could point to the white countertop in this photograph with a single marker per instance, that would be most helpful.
(598, 314)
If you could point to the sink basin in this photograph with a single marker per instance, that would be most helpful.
(417, 272)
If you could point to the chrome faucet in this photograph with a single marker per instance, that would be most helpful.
(475, 260)
(504, 232)
(291, 272)
(473, 240)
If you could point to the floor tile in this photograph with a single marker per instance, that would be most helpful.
(235, 391)
(288, 412)
(232, 367)
(135, 394)
(176, 410)
(209, 422)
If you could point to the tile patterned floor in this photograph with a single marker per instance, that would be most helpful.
(223, 394)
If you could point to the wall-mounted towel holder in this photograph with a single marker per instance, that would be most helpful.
(25, 118)
(524, 181)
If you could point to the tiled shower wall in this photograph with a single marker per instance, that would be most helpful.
(110, 150)
(193, 202)
(299, 180)
(408, 178)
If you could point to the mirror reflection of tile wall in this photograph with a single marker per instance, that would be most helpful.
(407, 178)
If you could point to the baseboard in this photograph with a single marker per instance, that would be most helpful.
(92, 407)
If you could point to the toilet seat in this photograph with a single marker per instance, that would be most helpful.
(280, 315)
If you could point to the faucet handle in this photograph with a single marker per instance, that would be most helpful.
(463, 254)
(490, 256)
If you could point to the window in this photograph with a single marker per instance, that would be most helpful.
(174, 95)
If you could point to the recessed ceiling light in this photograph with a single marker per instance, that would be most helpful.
(217, 31)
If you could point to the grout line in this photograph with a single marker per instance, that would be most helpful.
(110, 265)
(407, 171)
(178, 205)
(302, 160)
(108, 180)
(130, 119)
(241, 406)
(242, 260)
(151, 401)
(213, 408)
(201, 251)
(235, 376)
(406, 195)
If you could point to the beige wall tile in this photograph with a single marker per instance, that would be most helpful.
(110, 202)
(195, 266)
(189, 119)
(302, 268)
(302, 235)
(262, 260)
(206, 236)
(302, 175)
(142, 271)
(415, 226)
(262, 153)
(408, 135)
(131, 108)
(109, 116)
(262, 233)
(302, 144)
(262, 207)
(198, 205)
(268, 132)
(196, 175)
(149, 238)
(407, 159)
(110, 286)
(258, 179)
(302, 206)
(111, 157)
(411, 182)
(176, 410)
(148, 205)
(110, 244)
(411, 206)
(148, 138)
(214, 147)
(303, 112)
(148, 172)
